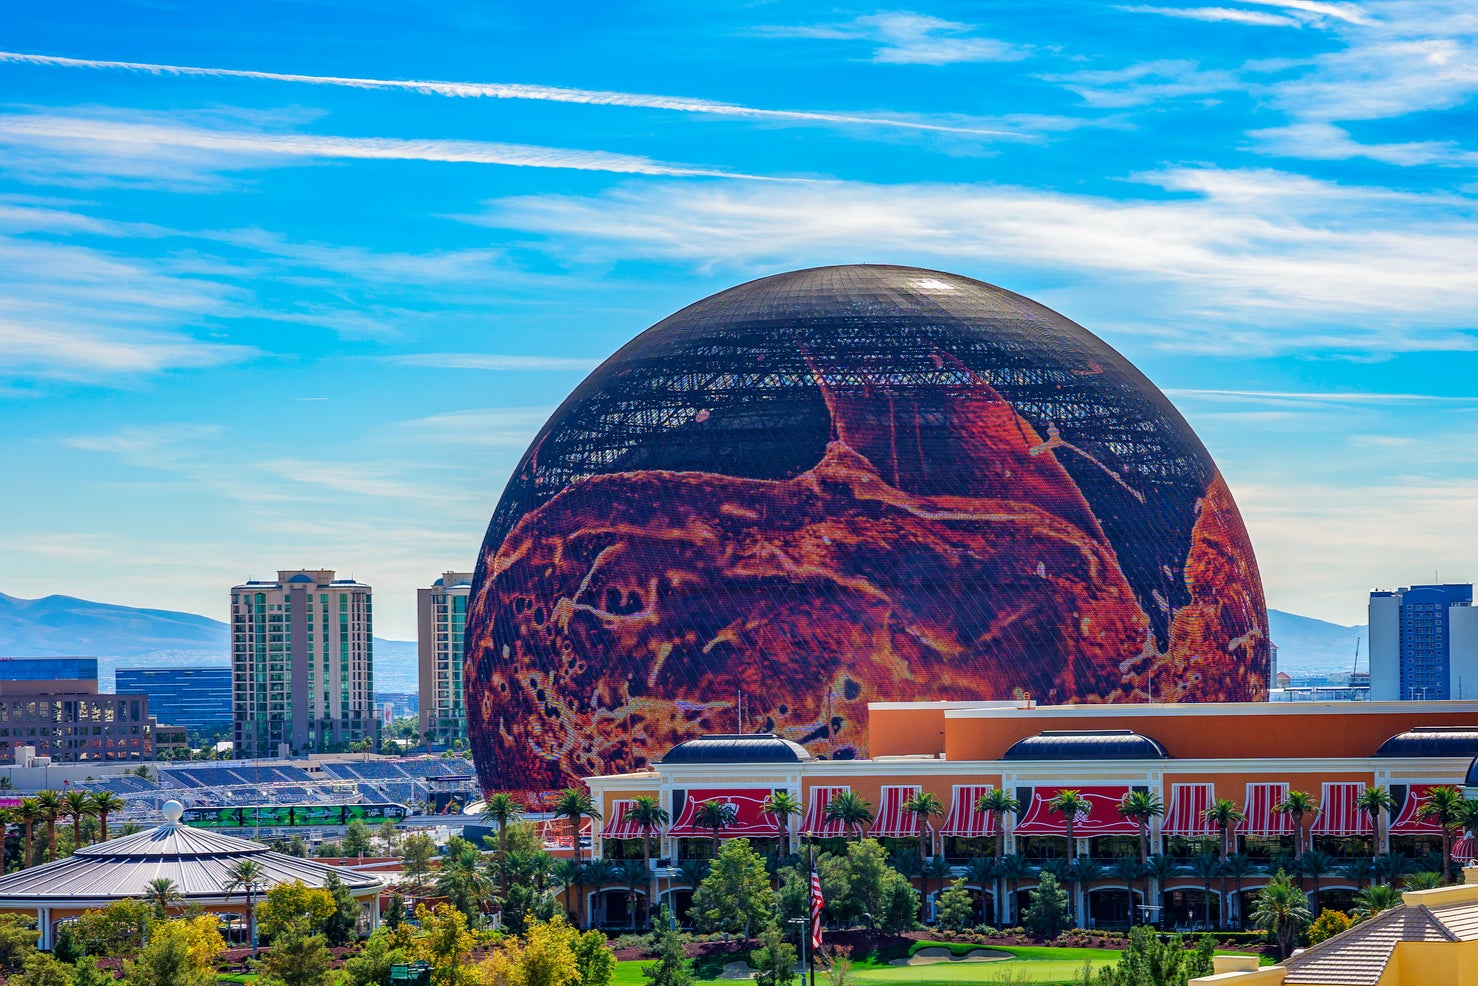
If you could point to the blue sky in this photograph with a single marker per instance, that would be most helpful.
(294, 283)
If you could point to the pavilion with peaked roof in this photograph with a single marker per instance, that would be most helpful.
(198, 861)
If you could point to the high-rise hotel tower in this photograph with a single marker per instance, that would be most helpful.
(302, 665)
(441, 613)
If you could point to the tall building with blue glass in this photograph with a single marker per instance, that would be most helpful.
(1423, 643)
(48, 668)
(197, 699)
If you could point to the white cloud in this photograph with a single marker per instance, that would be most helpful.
(1349, 12)
(1149, 82)
(1216, 15)
(555, 94)
(111, 140)
(494, 361)
(1258, 260)
(908, 38)
(501, 427)
(1326, 142)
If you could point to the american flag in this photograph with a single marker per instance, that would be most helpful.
(817, 903)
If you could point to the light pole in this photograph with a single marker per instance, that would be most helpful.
(804, 933)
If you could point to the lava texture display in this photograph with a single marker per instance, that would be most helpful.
(841, 486)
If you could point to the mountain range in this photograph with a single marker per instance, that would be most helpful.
(125, 636)
(130, 637)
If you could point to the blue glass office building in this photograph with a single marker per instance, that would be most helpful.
(198, 699)
(1423, 643)
(48, 668)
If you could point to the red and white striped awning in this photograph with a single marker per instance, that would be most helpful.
(1102, 818)
(963, 820)
(620, 825)
(1187, 812)
(891, 821)
(814, 821)
(1462, 849)
(1341, 814)
(1261, 819)
(750, 817)
(1406, 822)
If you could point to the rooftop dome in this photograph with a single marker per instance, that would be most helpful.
(839, 486)
(1096, 744)
(1432, 741)
(737, 748)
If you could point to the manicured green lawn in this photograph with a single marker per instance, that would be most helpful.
(1031, 964)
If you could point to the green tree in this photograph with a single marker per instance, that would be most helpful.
(1207, 866)
(1014, 869)
(116, 930)
(395, 912)
(998, 801)
(715, 816)
(1423, 880)
(51, 807)
(27, 813)
(445, 944)
(576, 805)
(851, 810)
(1445, 806)
(388, 836)
(371, 967)
(774, 961)
(923, 806)
(1128, 869)
(18, 937)
(105, 803)
(1226, 815)
(736, 894)
(357, 841)
(672, 966)
(41, 969)
(419, 851)
(298, 957)
(954, 907)
(1282, 911)
(1047, 908)
(783, 806)
(78, 806)
(1376, 802)
(1297, 804)
(343, 924)
(1372, 900)
(161, 894)
(87, 973)
(1316, 865)
(294, 905)
(548, 956)
(462, 880)
(594, 959)
(247, 876)
(648, 814)
(166, 960)
(1142, 808)
(1149, 961)
(1327, 925)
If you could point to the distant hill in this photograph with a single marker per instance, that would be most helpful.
(125, 636)
(1309, 645)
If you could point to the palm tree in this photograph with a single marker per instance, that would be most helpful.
(1376, 802)
(982, 872)
(1226, 815)
(28, 812)
(783, 806)
(1445, 806)
(52, 806)
(1372, 900)
(1014, 869)
(1297, 804)
(503, 810)
(247, 875)
(1083, 871)
(575, 804)
(1316, 865)
(1141, 808)
(105, 803)
(1424, 880)
(633, 873)
(647, 812)
(566, 873)
(162, 892)
(851, 809)
(922, 806)
(1358, 871)
(1237, 866)
(1392, 866)
(1162, 868)
(1070, 804)
(715, 816)
(77, 805)
(1207, 866)
(999, 801)
(1283, 911)
(6, 818)
(1128, 869)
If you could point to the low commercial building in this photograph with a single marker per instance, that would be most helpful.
(1188, 756)
(69, 721)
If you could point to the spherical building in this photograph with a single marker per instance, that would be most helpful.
(840, 486)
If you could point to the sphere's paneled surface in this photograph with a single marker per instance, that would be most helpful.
(841, 486)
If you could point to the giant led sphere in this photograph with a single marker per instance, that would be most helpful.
(840, 486)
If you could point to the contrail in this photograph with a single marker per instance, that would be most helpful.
(116, 134)
(510, 90)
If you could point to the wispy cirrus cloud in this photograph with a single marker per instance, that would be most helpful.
(1265, 261)
(538, 93)
(1327, 142)
(108, 139)
(1230, 15)
(906, 38)
(493, 361)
